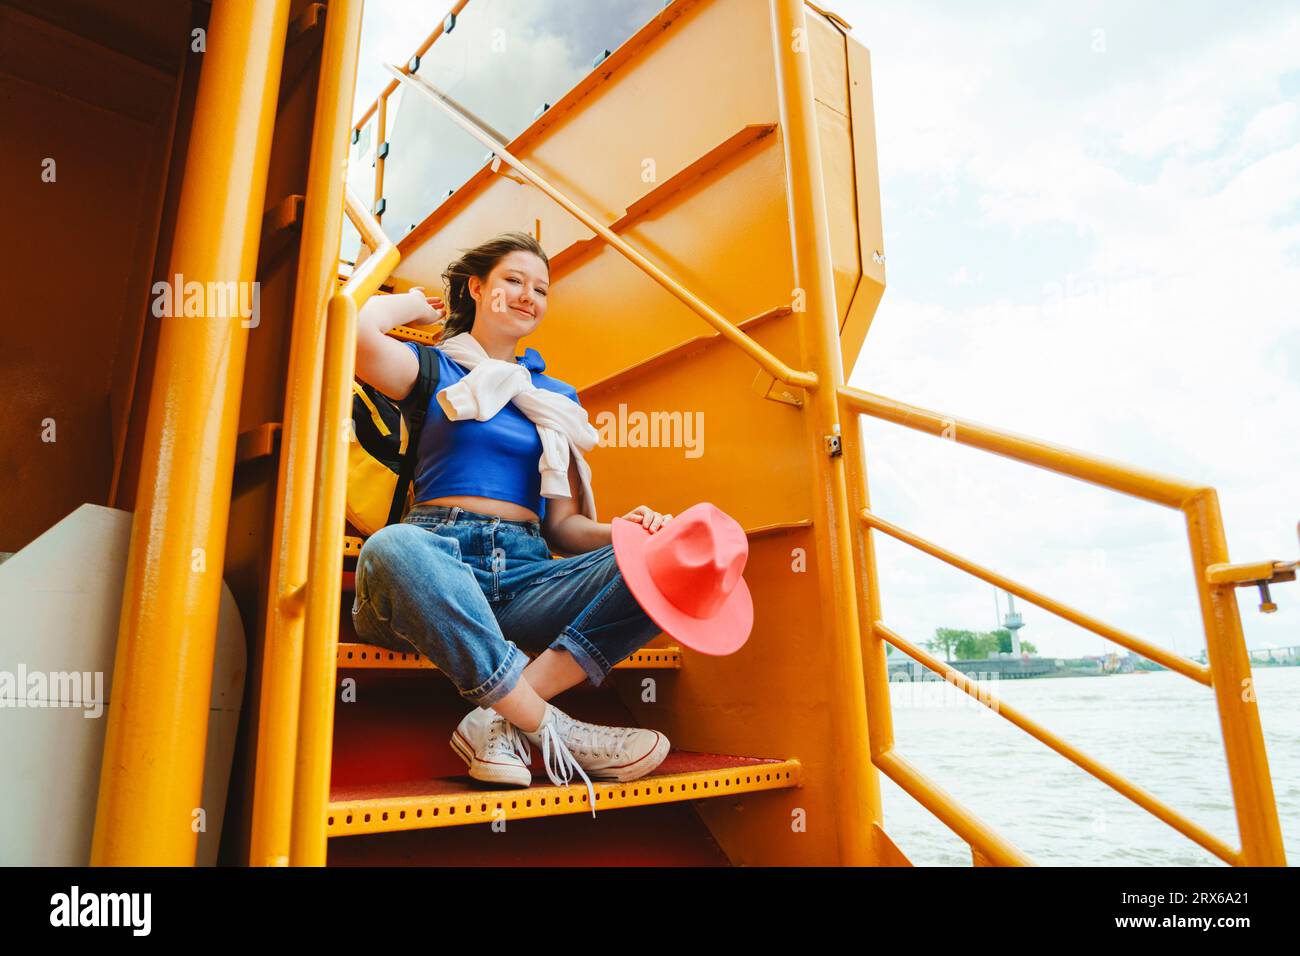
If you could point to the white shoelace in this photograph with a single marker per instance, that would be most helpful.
(560, 764)
(505, 738)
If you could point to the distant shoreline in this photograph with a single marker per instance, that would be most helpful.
(1035, 668)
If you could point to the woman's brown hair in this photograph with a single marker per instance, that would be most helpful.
(479, 261)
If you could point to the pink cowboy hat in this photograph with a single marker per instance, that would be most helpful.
(688, 576)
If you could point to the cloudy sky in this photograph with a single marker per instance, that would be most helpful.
(1092, 228)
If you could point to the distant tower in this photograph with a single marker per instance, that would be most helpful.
(1013, 623)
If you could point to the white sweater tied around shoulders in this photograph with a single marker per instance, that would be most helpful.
(561, 423)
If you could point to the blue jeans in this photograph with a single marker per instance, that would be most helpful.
(468, 590)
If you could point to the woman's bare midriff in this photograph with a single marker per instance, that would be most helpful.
(486, 506)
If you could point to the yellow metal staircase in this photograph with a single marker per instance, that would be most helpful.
(718, 251)
(418, 794)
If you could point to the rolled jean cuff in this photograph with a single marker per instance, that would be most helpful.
(502, 681)
(585, 653)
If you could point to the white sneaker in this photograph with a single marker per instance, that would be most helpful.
(493, 748)
(608, 753)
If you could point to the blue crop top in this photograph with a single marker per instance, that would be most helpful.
(497, 458)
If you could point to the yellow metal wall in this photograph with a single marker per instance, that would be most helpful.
(93, 89)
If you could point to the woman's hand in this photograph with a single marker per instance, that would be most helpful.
(650, 519)
(413, 308)
(435, 311)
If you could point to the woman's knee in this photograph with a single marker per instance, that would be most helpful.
(396, 550)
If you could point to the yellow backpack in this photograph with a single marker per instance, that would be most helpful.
(383, 448)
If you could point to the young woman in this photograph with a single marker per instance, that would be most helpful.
(467, 578)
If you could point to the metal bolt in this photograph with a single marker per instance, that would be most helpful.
(1265, 599)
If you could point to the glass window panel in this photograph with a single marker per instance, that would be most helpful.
(350, 241)
(503, 60)
(361, 180)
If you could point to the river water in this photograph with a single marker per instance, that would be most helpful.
(1159, 730)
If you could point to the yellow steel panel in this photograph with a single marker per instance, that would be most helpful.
(866, 198)
(830, 74)
(831, 92)
(837, 172)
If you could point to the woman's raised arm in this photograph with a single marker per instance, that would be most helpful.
(383, 361)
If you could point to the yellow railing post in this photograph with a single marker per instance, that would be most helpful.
(880, 713)
(320, 639)
(855, 784)
(381, 127)
(1234, 692)
(315, 732)
(317, 269)
(151, 779)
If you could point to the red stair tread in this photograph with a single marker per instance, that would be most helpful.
(677, 761)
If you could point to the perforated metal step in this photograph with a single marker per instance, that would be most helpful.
(462, 801)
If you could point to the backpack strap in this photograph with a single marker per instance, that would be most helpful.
(413, 407)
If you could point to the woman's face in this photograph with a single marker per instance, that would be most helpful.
(513, 299)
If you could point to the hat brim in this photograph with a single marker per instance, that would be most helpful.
(723, 633)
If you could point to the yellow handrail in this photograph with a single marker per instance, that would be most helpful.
(320, 634)
(1175, 662)
(996, 848)
(1094, 469)
(367, 277)
(770, 363)
(1076, 756)
(288, 596)
(1228, 672)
